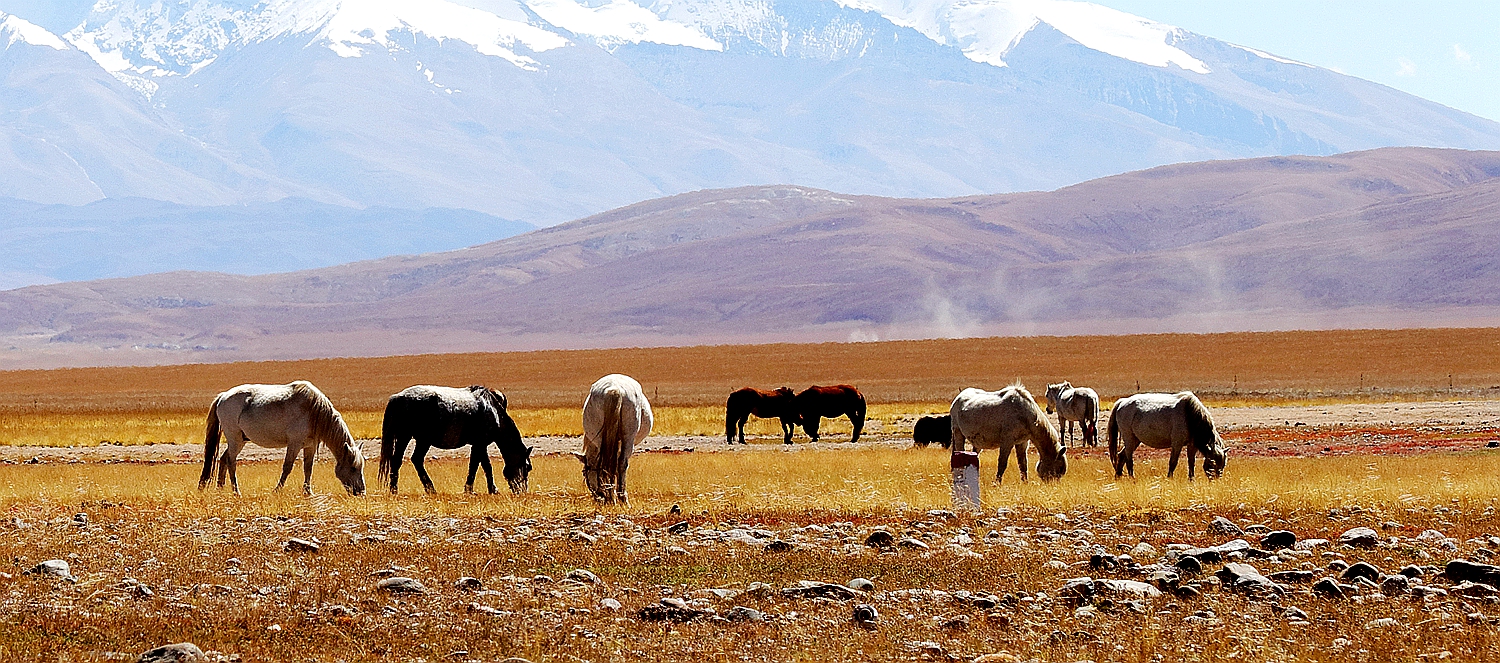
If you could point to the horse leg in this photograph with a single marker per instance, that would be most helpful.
(1021, 460)
(489, 472)
(232, 459)
(419, 461)
(1172, 464)
(1193, 460)
(286, 465)
(787, 429)
(810, 425)
(1130, 455)
(309, 453)
(620, 483)
(474, 451)
(396, 455)
(1004, 460)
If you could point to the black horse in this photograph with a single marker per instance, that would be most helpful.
(842, 400)
(933, 429)
(449, 418)
(764, 404)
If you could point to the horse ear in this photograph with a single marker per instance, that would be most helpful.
(529, 450)
(581, 458)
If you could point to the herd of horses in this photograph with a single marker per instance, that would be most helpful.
(298, 417)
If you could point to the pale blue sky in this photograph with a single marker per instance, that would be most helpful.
(1444, 50)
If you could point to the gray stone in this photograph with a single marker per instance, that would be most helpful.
(182, 652)
(1296, 576)
(778, 546)
(1278, 540)
(678, 527)
(1294, 613)
(1412, 571)
(880, 539)
(302, 545)
(1460, 570)
(1244, 578)
(609, 604)
(583, 575)
(468, 584)
(400, 585)
(866, 614)
(1361, 570)
(1360, 537)
(1310, 544)
(914, 544)
(811, 589)
(1395, 585)
(741, 613)
(1382, 623)
(54, 568)
(1475, 590)
(862, 584)
(1224, 526)
(1189, 565)
(1328, 588)
(672, 610)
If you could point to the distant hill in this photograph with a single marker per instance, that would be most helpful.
(133, 236)
(1391, 237)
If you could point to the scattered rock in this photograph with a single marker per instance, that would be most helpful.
(1224, 526)
(301, 545)
(1412, 571)
(1310, 544)
(866, 615)
(1395, 585)
(1475, 590)
(1360, 537)
(914, 544)
(1083, 590)
(1296, 576)
(481, 609)
(956, 623)
(1189, 565)
(1460, 570)
(741, 613)
(182, 652)
(678, 527)
(468, 584)
(609, 604)
(862, 584)
(1361, 570)
(1328, 588)
(1383, 622)
(778, 546)
(1278, 540)
(584, 537)
(400, 585)
(808, 589)
(1244, 578)
(584, 576)
(1144, 550)
(672, 610)
(54, 568)
(1294, 613)
(880, 539)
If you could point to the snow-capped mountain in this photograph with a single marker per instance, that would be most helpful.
(546, 110)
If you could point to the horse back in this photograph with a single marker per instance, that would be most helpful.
(830, 401)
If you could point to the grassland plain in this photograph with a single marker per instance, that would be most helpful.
(156, 561)
(687, 386)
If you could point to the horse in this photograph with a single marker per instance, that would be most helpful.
(1163, 421)
(1008, 419)
(449, 418)
(815, 402)
(1078, 404)
(292, 416)
(764, 404)
(933, 429)
(616, 417)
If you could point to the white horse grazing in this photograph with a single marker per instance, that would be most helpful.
(616, 417)
(1078, 404)
(292, 416)
(1165, 421)
(1008, 419)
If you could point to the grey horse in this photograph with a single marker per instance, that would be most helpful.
(1078, 404)
(1007, 419)
(1165, 421)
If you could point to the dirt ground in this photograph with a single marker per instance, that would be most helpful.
(1391, 428)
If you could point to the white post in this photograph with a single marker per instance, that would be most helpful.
(965, 466)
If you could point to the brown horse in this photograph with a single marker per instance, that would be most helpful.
(764, 404)
(814, 403)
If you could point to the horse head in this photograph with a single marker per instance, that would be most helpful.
(350, 470)
(1054, 394)
(1215, 459)
(508, 438)
(517, 470)
(1052, 469)
(593, 478)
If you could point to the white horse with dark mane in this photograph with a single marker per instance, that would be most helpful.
(1007, 419)
(616, 417)
(295, 417)
(1165, 421)
(1078, 404)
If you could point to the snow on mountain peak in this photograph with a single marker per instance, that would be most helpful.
(987, 29)
(138, 40)
(620, 21)
(14, 29)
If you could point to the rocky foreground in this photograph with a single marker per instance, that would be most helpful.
(112, 580)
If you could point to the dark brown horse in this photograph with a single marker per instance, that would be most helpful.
(764, 404)
(842, 400)
(933, 429)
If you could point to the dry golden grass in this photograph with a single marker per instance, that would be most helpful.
(150, 524)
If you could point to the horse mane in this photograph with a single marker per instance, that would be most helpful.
(327, 424)
(496, 399)
(1041, 420)
(1200, 425)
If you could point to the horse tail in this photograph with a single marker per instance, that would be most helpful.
(1114, 436)
(730, 418)
(858, 414)
(391, 426)
(612, 433)
(1200, 425)
(210, 443)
